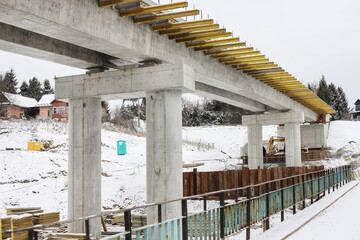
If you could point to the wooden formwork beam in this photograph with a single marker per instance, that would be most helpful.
(152, 9)
(109, 3)
(210, 43)
(189, 29)
(167, 16)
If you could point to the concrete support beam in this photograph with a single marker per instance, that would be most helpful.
(255, 146)
(84, 167)
(126, 83)
(273, 119)
(292, 144)
(164, 152)
(228, 97)
(24, 42)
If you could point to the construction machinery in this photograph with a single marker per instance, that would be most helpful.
(276, 146)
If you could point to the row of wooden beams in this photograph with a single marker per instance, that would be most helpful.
(166, 16)
(152, 9)
(196, 34)
(210, 43)
(279, 80)
(188, 29)
(195, 39)
(236, 50)
(182, 24)
(109, 3)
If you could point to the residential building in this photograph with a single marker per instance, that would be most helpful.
(17, 106)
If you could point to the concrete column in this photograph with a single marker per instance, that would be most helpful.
(84, 170)
(292, 144)
(255, 146)
(164, 152)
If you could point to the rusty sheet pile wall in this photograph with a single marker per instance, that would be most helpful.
(204, 182)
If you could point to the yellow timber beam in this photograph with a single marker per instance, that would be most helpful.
(270, 75)
(210, 43)
(236, 50)
(213, 36)
(109, 3)
(189, 29)
(279, 80)
(166, 16)
(297, 91)
(236, 54)
(234, 59)
(197, 34)
(263, 60)
(182, 24)
(152, 9)
(256, 66)
(221, 46)
(265, 71)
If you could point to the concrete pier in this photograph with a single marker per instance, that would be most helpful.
(84, 167)
(164, 152)
(255, 146)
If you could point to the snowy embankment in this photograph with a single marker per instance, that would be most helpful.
(40, 178)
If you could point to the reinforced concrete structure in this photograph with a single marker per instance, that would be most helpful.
(160, 60)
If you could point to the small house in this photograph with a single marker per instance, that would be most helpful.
(356, 110)
(17, 106)
(45, 107)
(60, 110)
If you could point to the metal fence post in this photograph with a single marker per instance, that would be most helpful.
(312, 188)
(248, 213)
(294, 195)
(282, 199)
(318, 182)
(30, 233)
(303, 191)
(184, 221)
(267, 222)
(333, 178)
(87, 229)
(127, 215)
(324, 176)
(222, 215)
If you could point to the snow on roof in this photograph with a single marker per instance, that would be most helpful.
(18, 100)
(46, 100)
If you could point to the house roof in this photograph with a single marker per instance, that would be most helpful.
(46, 100)
(357, 102)
(18, 100)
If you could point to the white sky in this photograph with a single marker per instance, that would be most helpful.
(307, 38)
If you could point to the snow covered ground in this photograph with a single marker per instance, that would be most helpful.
(40, 178)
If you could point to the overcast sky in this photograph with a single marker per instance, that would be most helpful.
(307, 38)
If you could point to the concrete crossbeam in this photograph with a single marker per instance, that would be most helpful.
(228, 97)
(274, 119)
(104, 31)
(125, 84)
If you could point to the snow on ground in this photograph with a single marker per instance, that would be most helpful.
(339, 221)
(40, 178)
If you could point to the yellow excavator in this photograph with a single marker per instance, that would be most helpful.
(277, 149)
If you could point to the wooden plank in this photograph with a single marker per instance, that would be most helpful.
(152, 9)
(167, 16)
(109, 3)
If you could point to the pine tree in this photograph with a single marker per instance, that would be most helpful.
(24, 88)
(34, 90)
(47, 87)
(323, 90)
(9, 82)
(105, 115)
(334, 97)
(343, 105)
